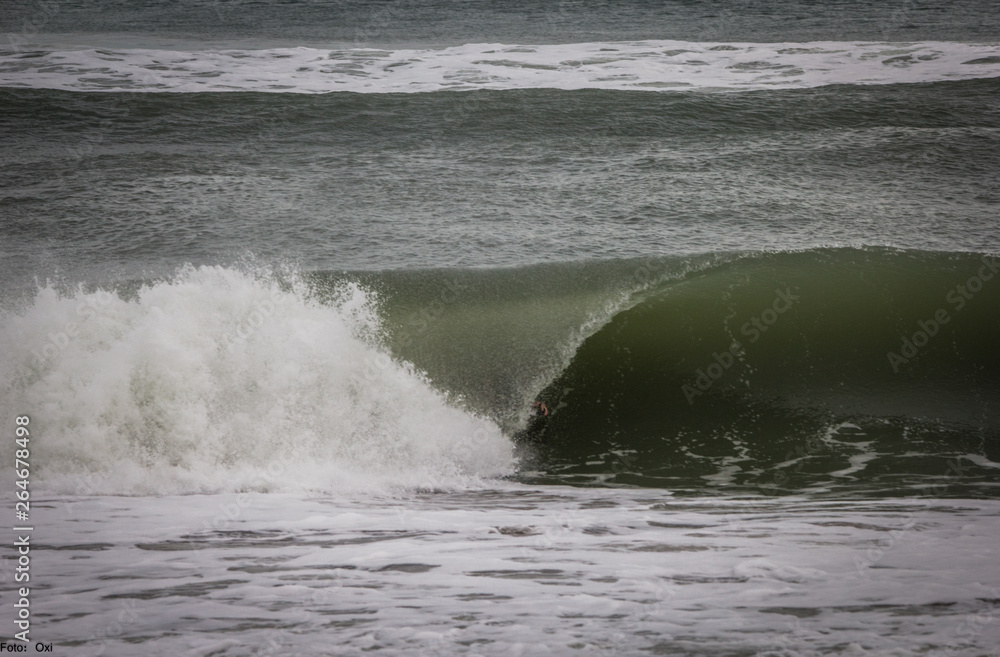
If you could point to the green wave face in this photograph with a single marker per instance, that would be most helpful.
(849, 370)
(823, 369)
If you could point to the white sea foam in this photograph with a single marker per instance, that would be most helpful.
(518, 571)
(221, 380)
(649, 65)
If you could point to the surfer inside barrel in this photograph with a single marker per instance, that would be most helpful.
(537, 422)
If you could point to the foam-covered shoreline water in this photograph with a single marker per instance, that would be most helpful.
(516, 570)
(643, 65)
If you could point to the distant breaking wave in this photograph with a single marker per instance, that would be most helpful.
(649, 65)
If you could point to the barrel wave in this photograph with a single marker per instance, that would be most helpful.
(849, 371)
(839, 369)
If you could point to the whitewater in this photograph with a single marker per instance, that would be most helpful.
(516, 571)
(643, 65)
(209, 381)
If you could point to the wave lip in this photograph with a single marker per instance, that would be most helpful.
(639, 65)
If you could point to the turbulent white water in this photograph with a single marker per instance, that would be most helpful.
(221, 380)
(613, 65)
(516, 571)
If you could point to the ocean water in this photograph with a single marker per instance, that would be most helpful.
(281, 282)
